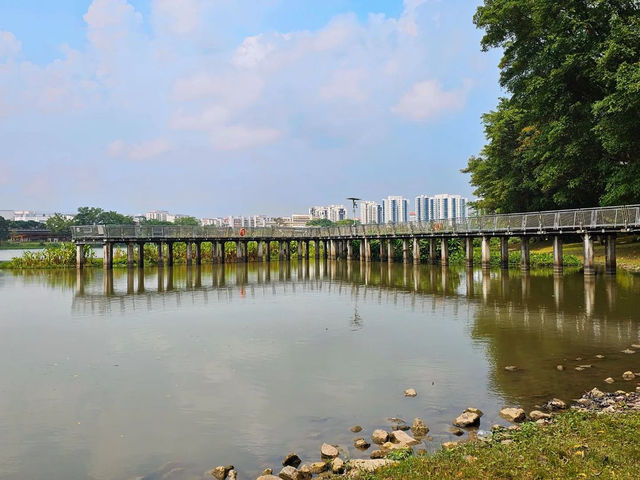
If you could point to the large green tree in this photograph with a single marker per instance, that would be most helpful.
(59, 225)
(4, 229)
(568, 133)
(98, 216)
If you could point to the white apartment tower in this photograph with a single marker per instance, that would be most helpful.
(370, 212)
(395, 209)
(446, 207)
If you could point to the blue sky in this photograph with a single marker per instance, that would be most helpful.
(219, 107)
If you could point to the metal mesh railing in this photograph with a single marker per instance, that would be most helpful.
(607, 218)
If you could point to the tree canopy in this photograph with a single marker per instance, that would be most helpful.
(4, 229)
(98, 216)
(192, 221)
(568, 133)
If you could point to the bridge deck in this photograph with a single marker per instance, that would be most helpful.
(591, 220)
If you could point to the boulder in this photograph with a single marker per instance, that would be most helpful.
(456, 431)
(361, 443)
(388, 446)
(635, 345)
(356, 428)
(410, 392)
(609, 380)
(268, 477)
(288, 473)
(337, 465)
(628, 351)
(556, 404)
(449, 445)
(477, 411)
(403, 438)
(511, 368)
(560, 367)
(369, 465)
(579, 369)
(628, 375)
(304, 472)
(233, 475)
(595, 393)
(379, 436)
(267, 471)
(402, 427)
(600, 356)
(377, 454)
(328, 451)
(419, 428)
(513, 414)
(538, 415)
(221, 472)
(467, 419)
(318, 467)
(292, 459)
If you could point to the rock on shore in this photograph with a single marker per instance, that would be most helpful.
(515, 415)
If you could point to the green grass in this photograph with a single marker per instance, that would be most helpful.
(576, 446)
(20, 245)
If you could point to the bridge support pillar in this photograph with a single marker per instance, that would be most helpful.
(107, 255)
(525, 264)
(79, 255)
(130, 254)
(468, 251)
(349, 250)
(486, 252)
(432, 251)
(160, 254)
(307, 249)
(558, 260)
(287, 250)
(589, 262)
(198, 253)
(444, 252)
(416, 250)
(170, 254)
(383, 250)
(280, 251)
(610, 254)
(325, 250)
(221, 252)
(504, 252)
(390, 244)
(367, 250)
(405, 250)
(260, 251)
(141, 255)
(189, 254)
(316, 249)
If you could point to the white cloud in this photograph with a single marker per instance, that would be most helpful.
(345, 84)
(180, 16)
(10, 46)
(426, 100)
(139, 151)
(407, 22)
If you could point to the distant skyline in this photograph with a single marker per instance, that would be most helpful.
(237, 107)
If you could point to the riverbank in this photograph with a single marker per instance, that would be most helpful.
(577, 444)
(21, 245)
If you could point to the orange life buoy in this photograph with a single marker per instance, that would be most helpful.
(243, 232)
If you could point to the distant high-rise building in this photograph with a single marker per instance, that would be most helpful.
(395, 209)
(160, 215)
(424, 208)
(332, 212)
(370, 212)
(446, 207)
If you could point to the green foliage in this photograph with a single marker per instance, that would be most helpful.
(568, 133)
(61, 254)
(191, 221)
(400, 454)
(4, 229)
(59, 225)
(320, 222)
(98, 216)
(26, 225)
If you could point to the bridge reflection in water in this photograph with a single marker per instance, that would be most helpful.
(543, 293)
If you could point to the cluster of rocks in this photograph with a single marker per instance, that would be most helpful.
(618, 401)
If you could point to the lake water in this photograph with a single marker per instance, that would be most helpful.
(114, 376)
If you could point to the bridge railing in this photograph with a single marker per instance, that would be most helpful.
(567, 220)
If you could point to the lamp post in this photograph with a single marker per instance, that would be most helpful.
(354, 202)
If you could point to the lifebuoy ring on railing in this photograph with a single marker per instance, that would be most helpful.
(243, 232)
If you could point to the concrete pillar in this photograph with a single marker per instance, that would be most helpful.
(325, 249)
(140, 257)
(444, 252)
(390, 244)
(558, 260)
(367, 250)
(405, 250)
(260, 251)
(486, 251)
(160, 254)
(526, 258)
(189, 255)
(287, 250)
(610, 254)
(130, 254)
(198, 253)
(432, 251)
(468, 251)
(361, 249)
(170, 253)
(349, 250)
(416, 250)
(383, 251)
(307, 249)
(504, 252)
(280, 251)
(221, 252)
(107, 254)
(79, 256)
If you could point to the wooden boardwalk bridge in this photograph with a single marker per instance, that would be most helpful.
(338, 242)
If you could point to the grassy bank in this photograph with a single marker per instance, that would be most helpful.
(576, 445)
(20, 245)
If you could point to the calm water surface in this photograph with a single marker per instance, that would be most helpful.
(112, 376)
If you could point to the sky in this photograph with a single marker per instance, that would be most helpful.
(237, 107)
